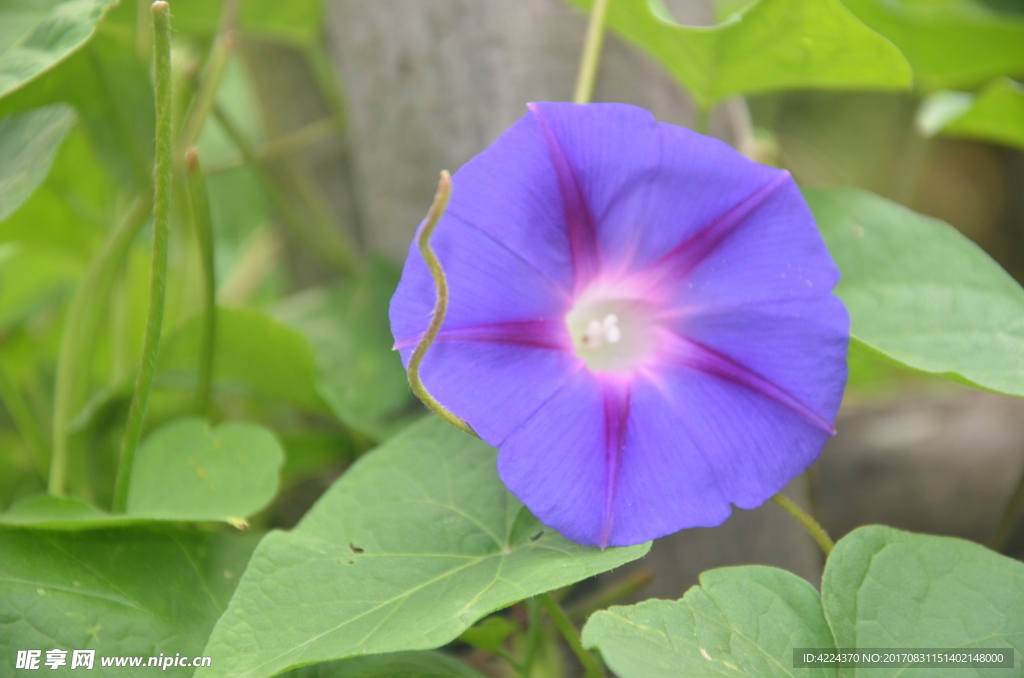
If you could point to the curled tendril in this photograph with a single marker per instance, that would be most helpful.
(444, 190)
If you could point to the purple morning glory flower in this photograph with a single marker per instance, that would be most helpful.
(640, 318)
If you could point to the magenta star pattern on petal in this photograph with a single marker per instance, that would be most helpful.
(640, 319)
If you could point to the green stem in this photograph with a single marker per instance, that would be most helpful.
(615, 593)
(304, 137)
(158, 274)
(815, 530)
(591, 53)
(216, 63)
(204, 235)
(329, 249)
(327, 79)
(533, 636)
(21, 414)
(1014, 510)
(444, 190)
(568, 631)
(509, 659)
(94, 285)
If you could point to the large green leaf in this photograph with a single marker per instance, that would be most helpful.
(361, 378)
(949, 44)
(416, 542)
(397, 665)
(996, 114)
(184, 471)
(769, 45)
(740, 621)
(255, 356)
(28, 142)
(48, 38)
(920, 293)
(109, 87)
(119, 592)
(883, 587)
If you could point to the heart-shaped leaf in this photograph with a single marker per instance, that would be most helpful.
(119, 592)
(948, 44)
(184, 471)
(882, 588)
(739, 621)
(768, 45)
(416, 542)
(920, 293)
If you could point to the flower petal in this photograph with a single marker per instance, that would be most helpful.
(664, 482)
(554, 462)
(697, 182)
(536, 333)
(754, 444)
(796, 346)
(511, 191)
(604, 156)
(494, 387)
(776, 253)
(488, 283)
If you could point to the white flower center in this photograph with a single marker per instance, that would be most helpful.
(612, 334)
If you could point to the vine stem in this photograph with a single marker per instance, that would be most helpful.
(591, 56)
(95, 281)
(158, 274)
(24, 420)
(809, 523)
(1013, 512)
(444, 191)
(533, 637)
(202, 103)
(602, 599)
(568, 631)
(321, 241)
(204, 234)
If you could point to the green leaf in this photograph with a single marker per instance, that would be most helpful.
(119, 592)
(883, 587)
(256, 356)
(948, 44)
(490, 634)
(187, 470)
(184, 471)
(769, 45)
(109, 87)
(996, 114)
(920, 293)
(739, 621)
(28, 142)
(397, 665)
(48, 39)
(416, 542)
(361, 378)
